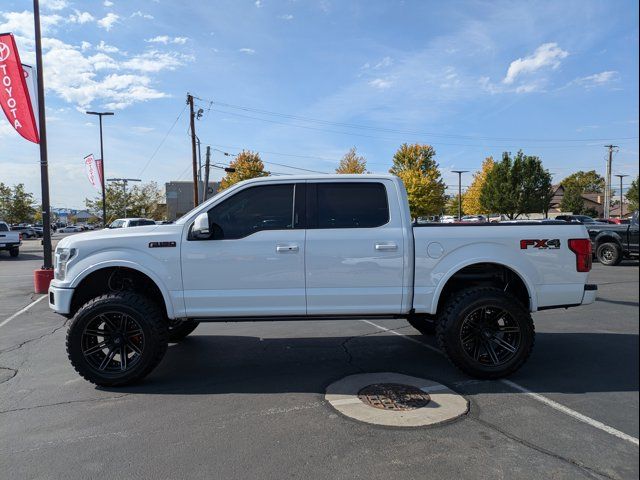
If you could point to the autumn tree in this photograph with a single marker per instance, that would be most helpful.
(632, 195)
(246, 165)
(420, 173)
(352, 163)
(517, 185)
(471, 198)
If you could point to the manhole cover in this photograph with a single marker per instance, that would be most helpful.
(393, 396)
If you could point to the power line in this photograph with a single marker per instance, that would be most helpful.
(162, 141)
(405, 132)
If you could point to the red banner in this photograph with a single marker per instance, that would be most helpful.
(14, 95)
(100, 169)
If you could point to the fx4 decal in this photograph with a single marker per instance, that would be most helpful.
(543, 244)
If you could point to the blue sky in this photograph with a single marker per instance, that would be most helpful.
(303, 81)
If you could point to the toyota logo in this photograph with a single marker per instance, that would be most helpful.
(4, 52)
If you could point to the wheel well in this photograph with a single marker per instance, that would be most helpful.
(486, 275)
(115, 279)
(607, 239)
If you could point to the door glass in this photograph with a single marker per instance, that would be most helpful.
(352, 205)
(268, 207)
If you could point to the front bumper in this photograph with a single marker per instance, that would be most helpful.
(590, 292)
(60, 299)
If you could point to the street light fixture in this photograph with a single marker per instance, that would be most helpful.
(104, 199)
(621, 204)
(460, 172)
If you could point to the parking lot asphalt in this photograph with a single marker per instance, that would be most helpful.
(246, 400)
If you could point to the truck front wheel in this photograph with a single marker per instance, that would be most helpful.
(485, 332)
(117, 339)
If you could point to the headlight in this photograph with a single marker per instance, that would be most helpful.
(63, 255)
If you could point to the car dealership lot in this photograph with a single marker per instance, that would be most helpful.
(246, 400)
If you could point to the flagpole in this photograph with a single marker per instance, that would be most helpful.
(44, 163)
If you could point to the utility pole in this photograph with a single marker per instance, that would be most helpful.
(44, 161)
(621, 199)
(460, 172)
(125, 182)
(192, 118)
(607, 186)
(207, 164)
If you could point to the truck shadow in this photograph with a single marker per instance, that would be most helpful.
(221, 364)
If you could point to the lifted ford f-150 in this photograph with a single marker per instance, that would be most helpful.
(312, 248)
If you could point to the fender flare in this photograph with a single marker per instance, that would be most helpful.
(133, 266)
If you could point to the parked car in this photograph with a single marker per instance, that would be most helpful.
(584, 219)
(331, 246)
(612, 243)
(447, 219)
(25, 230)
(70, 229)
(10, 240)
(131, 222)
(473, 218)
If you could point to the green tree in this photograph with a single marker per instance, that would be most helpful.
(572, 200)
(589, 181)
(451, 207)
(352, 163)
(114, 194)
(632, 195)
(416, 167)
(5, 201)
(246, 165)
(471, 198)
(16, 204)
(517, 185)
(146, 200)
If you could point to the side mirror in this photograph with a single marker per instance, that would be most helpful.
(200, 229)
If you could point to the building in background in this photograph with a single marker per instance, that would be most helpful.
(179, 195)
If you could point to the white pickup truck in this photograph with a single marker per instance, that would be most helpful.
(313, 248)
(10, 240)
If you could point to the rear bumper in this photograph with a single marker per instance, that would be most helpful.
(9, 245)
(590, 292)
(60, 299)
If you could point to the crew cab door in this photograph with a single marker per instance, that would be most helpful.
(253, 262)
(354, 248)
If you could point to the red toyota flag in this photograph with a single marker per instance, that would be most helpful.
(14, 95)
(100, 170)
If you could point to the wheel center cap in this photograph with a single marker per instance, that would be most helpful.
(487, 334)
(117, 340)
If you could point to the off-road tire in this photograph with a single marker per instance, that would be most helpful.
(454, 313)
(151, 321)
(14, 252)
(178, 330)
(609, 254)
(424, 325)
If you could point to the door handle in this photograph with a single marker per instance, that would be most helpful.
(286, 248)
(386, 246)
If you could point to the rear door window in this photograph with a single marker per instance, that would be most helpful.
(351, 205)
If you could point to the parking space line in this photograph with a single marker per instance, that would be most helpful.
(22, 310)
(536, 396)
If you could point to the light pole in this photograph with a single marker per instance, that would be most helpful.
(125, 182)
(104, 196)
(460, 172)
(621, 204)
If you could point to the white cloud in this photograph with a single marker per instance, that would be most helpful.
(54, 4)
(384, 63)
(102, 61)
(109, 21)
(142, 15)
(248, 51)
(103, 47)
(165, 39)
(288, 17)
(107, 3)
(380, 83)
(546, 55)
(258, 3)
(597, 79)
(155, 61)
(84, 46)
(21, 23)
(81, 17)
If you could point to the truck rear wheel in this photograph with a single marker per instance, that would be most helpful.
(14, 252)
(117, 339)
(485, 332)
(609, 254)
(179, 329)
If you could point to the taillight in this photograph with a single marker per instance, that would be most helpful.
(20, 237)
(582, 248)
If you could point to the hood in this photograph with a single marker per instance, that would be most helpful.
(121, 235)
